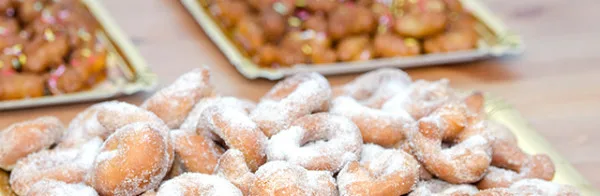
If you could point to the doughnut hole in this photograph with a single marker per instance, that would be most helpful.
(132, 160)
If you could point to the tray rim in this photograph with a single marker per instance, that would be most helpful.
(509, 44)
(145, 80)
(531, 141)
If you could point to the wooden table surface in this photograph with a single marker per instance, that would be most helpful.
(555, 84)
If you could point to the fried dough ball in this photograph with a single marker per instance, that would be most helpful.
(266, 55)
(461, 35)
(198, 184)
(423, 18)
(390, 45)
(229, 12)
(289, 57)
(173, 103)
(249, 34)
(379, 172)
(347, 20)
(45, 51)
(280, 178)
(273, 24)
(66, 165)
(321, 55)
(24, 138)
(132, 160)
(316, 22)
(354, 49)
(321, 5)
(21, 85)
(28, 10)
(57, 188)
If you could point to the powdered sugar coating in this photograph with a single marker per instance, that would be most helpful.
(380, 172)
(24, 138)
(232, 124)
(173, 103)
(374, 88)
(465, 162)
(440, 188)
(198, 184)
(421, 98)
(68, 165)
(57, 188)
(376, 126)
(84, 127)
(317, 142)
(195, 116)
(115, 114)
(232, 166)
(284, 178)
(142, 160)
(291, 99)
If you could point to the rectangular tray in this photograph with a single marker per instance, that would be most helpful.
(496, 41)
(122, 57)
(532, 142)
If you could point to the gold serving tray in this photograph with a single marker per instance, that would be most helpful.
(532, 142)
(122, 59)
(495, 41)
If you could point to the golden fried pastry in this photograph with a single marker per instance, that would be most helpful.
(232, 166)
(230, 12)
(280, 178)
(197, 184)
(57, 188)
(22, 139)
(273, 24)
(249, 34)
(20, 86)
(69, 165)
(195, 152)
(317, 142)
(379, 172)
(5, 189)
(354, 49)
(347, 20)
(289, 100)
(390, 45)
(436, 187)
(173, 103)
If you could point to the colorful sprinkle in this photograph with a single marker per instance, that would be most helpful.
(47, 17)
(3, 30)
(300, 3)
(83, 34)
(8, 72)
(49, 35)
(63, 14)
(411, 42)
(38, 6)
(306, 49)
(303, 15)
(86, 52)
(16, 64)
(22, 59)
(294, 21)
(280, 8)
(1, 64)
(10, 12)
(308, 34)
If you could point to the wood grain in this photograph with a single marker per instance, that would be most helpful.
(555, 84)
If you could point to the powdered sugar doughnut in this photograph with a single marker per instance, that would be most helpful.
(374, 88)
(194, 117)
(132, 160)
(57, 188)
(291, 99)
(380, 172)
(21, 139)
(84, 127)
(317, 142)
(376, 126)
(465, 162)
(233, 167)
(196, 152)
(232, 124)
(67, 165)
(421, 98)
(198, 184)
(280, 178)
(510, 163)
(441, 188)
(173, 103)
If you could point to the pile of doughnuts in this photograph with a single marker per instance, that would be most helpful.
(281, 33)
(381, 134)
(48, 48)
